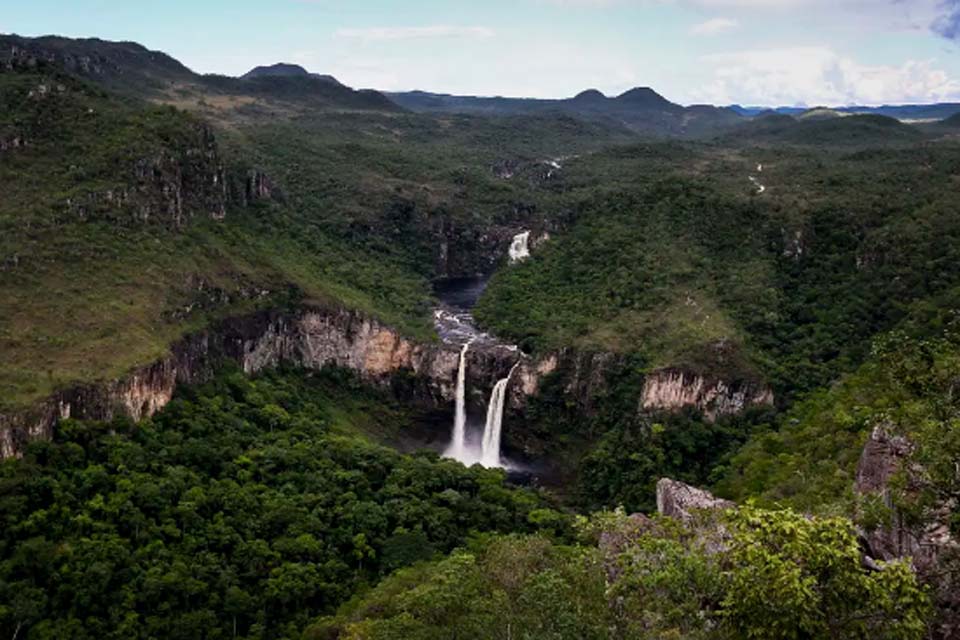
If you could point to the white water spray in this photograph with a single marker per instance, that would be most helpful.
(520, 247)
(458, 444)
(490, 447)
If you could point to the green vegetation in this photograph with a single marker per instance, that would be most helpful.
(361, 202)
(643, 272)
(687, 268)
(778, 576)
(242, 510)
(257, 508)
(810, 461)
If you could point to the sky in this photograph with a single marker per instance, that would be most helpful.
(749, 52)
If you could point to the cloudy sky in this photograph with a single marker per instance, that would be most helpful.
(757, 52)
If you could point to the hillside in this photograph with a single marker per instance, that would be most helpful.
(903, 112)
(641, 109)
(823, 127)
(131, 69)
(282, 69)
(227, 377)
(149, 223)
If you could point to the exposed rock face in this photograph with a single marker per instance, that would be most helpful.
(530, 375)
(259, 187)
(12, 141)
(882, 457)
(929, 544)
(584, 374)
(674, 389)
(115, 63)
(679, 500)
(20, 57)
(168, 188)
(312, 338)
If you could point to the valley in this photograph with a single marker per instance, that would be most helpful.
(285, 359)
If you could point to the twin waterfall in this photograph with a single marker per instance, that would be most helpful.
(489, 451)
(454, 322)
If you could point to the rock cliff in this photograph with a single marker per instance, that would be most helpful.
(926, 541)
(169, 187)
(312, 338)
(674, 389)
(679, 500)
(883, 456)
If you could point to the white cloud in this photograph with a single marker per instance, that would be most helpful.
(414, 33)
(714, 26)
(920, 15)
(818, 75)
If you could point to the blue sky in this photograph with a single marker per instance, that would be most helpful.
(720, 51)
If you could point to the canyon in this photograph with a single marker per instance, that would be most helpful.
(315, 337)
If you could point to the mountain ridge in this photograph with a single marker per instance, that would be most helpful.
(134, 70)
(641, 109)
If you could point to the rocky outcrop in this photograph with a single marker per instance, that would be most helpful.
(927, 542)
(675, 389)
(120, 64)
(258, 187)
(883, 456)
(168, 188)
(584, 375)
(678, 500)
(312, 338)
(12, 141)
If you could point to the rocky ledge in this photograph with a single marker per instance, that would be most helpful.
(675, 389)
(312, 338)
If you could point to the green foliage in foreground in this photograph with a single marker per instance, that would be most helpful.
(746, 574)
(236, 512)
(908, 387)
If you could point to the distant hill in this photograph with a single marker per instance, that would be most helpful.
(822, 129)
(952, 121)
(283, 69)
(642, 110)
(821, 113)
(132, 69)
(936, 111)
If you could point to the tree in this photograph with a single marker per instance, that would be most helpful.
(788, 577)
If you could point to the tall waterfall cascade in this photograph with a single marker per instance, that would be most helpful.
(490, 446)
(520, 247)
(458, 444)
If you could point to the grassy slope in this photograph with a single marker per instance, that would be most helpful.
(679, 252)
(86, 299)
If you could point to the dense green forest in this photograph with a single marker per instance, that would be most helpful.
(777, 576)
(245, 509)
(150, 203)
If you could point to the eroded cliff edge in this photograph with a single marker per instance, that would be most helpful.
(311, 337)
(422, 373)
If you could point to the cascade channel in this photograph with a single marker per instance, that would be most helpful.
(454, 323)
(520, 247)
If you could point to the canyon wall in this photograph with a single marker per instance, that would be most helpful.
(312, 338)
(422, 373)
(675, 389)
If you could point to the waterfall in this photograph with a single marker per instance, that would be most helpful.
(490, 448)
(520, 247)
(458, 444)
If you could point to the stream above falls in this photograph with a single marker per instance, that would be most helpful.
(453, 317)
